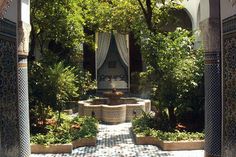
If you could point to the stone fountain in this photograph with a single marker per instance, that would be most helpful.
(113, 97)
(113, 108)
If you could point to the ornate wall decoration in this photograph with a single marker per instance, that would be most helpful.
(3, 6)
(9, 139)
(233, 2)
(23, 38)
(229, 87)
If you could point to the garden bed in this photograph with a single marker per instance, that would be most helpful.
(170, 145)
(145, 133)
(51, 148)
(62, 148)
(64, 136)
(84, 142)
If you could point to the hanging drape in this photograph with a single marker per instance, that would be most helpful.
(122, 45)
(102, 47)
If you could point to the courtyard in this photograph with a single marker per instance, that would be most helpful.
(135, 76)
(117, 141)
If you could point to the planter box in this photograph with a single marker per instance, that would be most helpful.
(52, 148)
(148, 140)
(84, 142)
(182, 145)
(62, 148)
(170, 145)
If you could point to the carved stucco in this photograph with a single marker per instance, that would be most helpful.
(210, 32)
(233, 2)
(4, 4)
(23, 38)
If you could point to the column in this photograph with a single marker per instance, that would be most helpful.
(210, 29)
(23, 98)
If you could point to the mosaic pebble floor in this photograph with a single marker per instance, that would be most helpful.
(116, 141)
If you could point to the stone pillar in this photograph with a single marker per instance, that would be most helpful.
(23, 99)
(210, 29)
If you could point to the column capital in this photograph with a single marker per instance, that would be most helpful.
(23, 34)
(210, 33)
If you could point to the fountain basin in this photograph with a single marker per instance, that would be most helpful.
(124, 111)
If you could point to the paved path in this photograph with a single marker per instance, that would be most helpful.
(116, 141)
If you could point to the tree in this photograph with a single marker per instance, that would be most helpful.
(175, 68)
(60, 21)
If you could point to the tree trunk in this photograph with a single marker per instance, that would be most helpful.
(172, 116)
(32, 44)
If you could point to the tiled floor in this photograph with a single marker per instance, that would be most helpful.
(116, 141)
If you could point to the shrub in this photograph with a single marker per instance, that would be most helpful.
(85, 127)
(68, 130)
(174, 69)
(52, 83)
(143, 126)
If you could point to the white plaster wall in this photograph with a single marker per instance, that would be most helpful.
(11, 13)
(205, 12)
(227, 9)
(191, 7)
(25, 11)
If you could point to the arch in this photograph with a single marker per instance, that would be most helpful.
(189, 15)
(182, 18)
(198, 14)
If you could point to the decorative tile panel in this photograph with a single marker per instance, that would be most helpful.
(229, 87)
(9, 139)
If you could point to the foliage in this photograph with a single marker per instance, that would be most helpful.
(69, 129)
(56, 84)
(87, 127)
(143, 127)
(128, 15)
(51, 81)
(174, 67)
(148, 120)
(55, 133)
(38, 116)
(52, 84)
(56, 20)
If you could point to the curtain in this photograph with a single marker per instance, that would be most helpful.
(122, 45)
(102, 47)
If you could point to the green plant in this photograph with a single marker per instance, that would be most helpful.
(38, 118)
(68, 130)
(60, 134)
(84, 127)
(144, 127)
(174, 68)
(60, 85)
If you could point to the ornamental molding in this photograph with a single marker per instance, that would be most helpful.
(23, 38)
(4, 4)
(233, 2)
